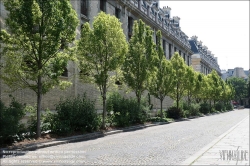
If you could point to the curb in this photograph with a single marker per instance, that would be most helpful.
(79, 138)
(198, 154)
(86, 137)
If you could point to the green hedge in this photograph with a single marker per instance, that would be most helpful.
(124, 112)
(75, 114)
(10, 121)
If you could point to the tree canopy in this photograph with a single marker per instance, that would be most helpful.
(138, 66)
(162, 84)
(36, 45)
(102, 50)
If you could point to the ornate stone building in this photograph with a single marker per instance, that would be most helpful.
(203, 60)
(173, 39)
(238, 72)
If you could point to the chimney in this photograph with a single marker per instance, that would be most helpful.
(194, 38)
(177, 20)
(167, 11)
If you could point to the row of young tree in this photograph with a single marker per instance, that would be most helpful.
(143, 65)
(39, 40)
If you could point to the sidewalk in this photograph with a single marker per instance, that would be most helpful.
(231, 148)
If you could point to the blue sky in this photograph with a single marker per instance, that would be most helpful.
(223, 26)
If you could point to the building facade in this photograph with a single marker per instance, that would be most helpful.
(203, 60)
(238, 72)
(173, 38)
(149, 11)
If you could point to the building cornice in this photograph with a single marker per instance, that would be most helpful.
(165, 31)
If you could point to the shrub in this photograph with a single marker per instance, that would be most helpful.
(77, 114)
(228, 107)
(174, 112)
(219, 107)
(186, 113)
(158, 119)
(46, 119)
(10, 121)
(204, 108)
(159, 113)
(125, 112)
(194, 109)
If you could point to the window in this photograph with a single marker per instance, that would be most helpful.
(164, 46)
(170, 50)
(184, 57)
(130, 26)
(188, 60)
(84, 7)
(103, 5)
(118, 13)
(180, 52)
(175, 49)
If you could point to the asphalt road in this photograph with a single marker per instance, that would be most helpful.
(168, 144)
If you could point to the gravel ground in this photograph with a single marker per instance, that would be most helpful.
(168, 144)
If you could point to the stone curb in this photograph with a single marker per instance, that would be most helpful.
(89, 136)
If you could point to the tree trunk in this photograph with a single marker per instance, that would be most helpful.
(139, 99)
(210, 101)
(177, 97)
(39, 101)
(161, 108)
(104, 113)
(188, 99)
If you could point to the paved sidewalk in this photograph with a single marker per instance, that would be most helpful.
(231, 148)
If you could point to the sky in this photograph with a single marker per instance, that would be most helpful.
(223, 26)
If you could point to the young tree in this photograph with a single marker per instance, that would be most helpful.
(227, 92)
(180, 77)
(162, 84)
(102, 50)
(35, 44)
(214, 89)
(197, 90)
(138, 66)
(191, 82)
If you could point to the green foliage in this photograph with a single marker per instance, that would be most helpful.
(204, 108)
(174, 112)
(125, 112)
(194, 109)
(35, 45)
(149, 102)
(77, 114)
(215, 87)
(37, 30)
(102, 50)
(46, 119)
(180, 78)
(10, 121)
(228, 107)
(159, 119)
(159, 112)
(240, 87)
(189, 109)
(193, 84)
(163, 82)
(138, 68)
(219, 107)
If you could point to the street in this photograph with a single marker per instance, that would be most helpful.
(168, 144)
